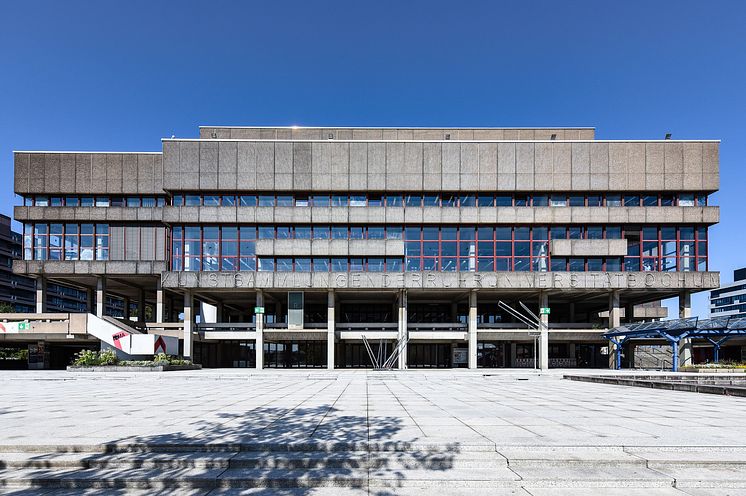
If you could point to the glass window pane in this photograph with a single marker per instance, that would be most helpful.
(686, 199)
(356, 265)
(376, 232)
(631, 201)
(521, 232)
(320, 200)
(192, 200)
(321, 265)
(321, 232)
(650, 201)
(247, 201)
(577, 265)
(375, 265)
(393, 265)
(541, 201)
(613, 200)
(358, 201)
(613, 232)
(303, 232)
(595, 264)
(303, 265)
(595, 201)
(505, 201)
(393, 232)
(356, 232)
(339, 232)
(393, 201)
(283, 232)
(558, 201)
(558, 232)
(431, 200)
(339, 200)
(339, 265)
(284, 265)
(284, 201)
(468, 200)
(614, 264)
(211, 201)
(595, 232)
(266, 232)
(413, 201)
(228, 201)
(266, 201)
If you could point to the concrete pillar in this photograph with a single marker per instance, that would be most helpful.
(572, 312)
(160, 303)
(330, 330)
(454, 312)
(41, 295)
(259, 320)
(629, 313)
(220, 316)
(472, 328)
(188, 322)
(403, 331)
(89, 300)
(615, 320)
(141, 305)
(512, 357)
(100, 296)
(126, 308)
(685, 311)
(544, 339)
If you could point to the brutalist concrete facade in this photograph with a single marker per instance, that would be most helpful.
(402, 236)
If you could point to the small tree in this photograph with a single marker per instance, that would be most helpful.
(6, 307)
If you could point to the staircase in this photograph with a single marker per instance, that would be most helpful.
(128, 341)
(659, 357)
(362, 468)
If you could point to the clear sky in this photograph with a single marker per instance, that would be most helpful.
(106, 75)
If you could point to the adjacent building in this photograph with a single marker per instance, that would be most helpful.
(293, 247)
(730, 299)
(15, 290)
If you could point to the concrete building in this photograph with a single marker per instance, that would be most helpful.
(15, 290)
(286, 247)
(730, 299)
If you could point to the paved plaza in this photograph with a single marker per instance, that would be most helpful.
(438, 407)
(398, 433)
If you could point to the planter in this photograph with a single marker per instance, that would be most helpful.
(131, 368)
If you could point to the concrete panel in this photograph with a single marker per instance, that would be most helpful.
(432, 166)
(505, 160)
(171, 157)
(524, 153)
(544, 182)
(52, 173)
(340, 166)
(506, 182)
(130, 178)
(524, 182)
(227, 165)
(114, 177)
(654, 158)
(562, 159)
(562, 182)
(487, 166)
(692, 166)
(98, 173)
(67, 173)
(581, 159)
(359, 164)
(21, 166)
(673, 182)
(581, 182)
(710, 166)
(599, 157)
(617, 182)
(588, 247)
(189, 156)
(617, 161)
(36, 173)
(543, 159)
(283, 158)
(636, 159)
(246, 163)
(673, 158)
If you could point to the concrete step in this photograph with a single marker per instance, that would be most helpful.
(380, 472)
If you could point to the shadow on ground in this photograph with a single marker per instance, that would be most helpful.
(284, 451)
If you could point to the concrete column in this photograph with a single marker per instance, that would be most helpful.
(89, 300)
(572, 312)
(41, 295)
(160, 303)
(330, 330)
(141, 305)
(472, 329)
(100, 296)
(615, 320)
(126, 308)
(629, 312)
(512, 356)
(544, 339)
(259, 320)
(188, 322)
(220, 317)
(403, 331)
(685, 311)
(454, 312)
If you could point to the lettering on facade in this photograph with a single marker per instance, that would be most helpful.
(434, 280)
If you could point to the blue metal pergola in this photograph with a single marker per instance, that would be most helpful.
(717, 331)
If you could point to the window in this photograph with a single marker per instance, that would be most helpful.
(686, 200)
(613, 200)
(72, 201)
(339, 201)
(469, 200)
(358, 201)
(301, 201)
(503, 201)
(266, 201)
(413, 201)
(320, 200)
(650, 201)
(394, 201)
(541, 201)
(376, 232)
(631, 201)
(320, 232)
(303, 232)
(247, 201)
(558, 201)
(228, 201)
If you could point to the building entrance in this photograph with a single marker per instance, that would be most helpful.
(295, 354)
(429, 355)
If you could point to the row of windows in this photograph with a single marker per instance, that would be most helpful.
(728, 300)
(737, 308)
(94, 201)
(435, 233)
(448, 248)
(444, 200)
(718, 292)
(66, 241)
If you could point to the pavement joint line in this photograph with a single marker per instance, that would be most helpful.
(405, 409)
(329, 410)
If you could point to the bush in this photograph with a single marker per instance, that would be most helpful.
(109, 357)
(91, 357)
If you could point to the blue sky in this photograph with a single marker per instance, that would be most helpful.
(111, 75)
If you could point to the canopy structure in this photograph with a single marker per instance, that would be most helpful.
(717, 331)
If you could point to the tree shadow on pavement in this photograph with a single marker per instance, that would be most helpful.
(266, 451)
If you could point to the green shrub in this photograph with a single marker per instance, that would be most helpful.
(91, 357)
